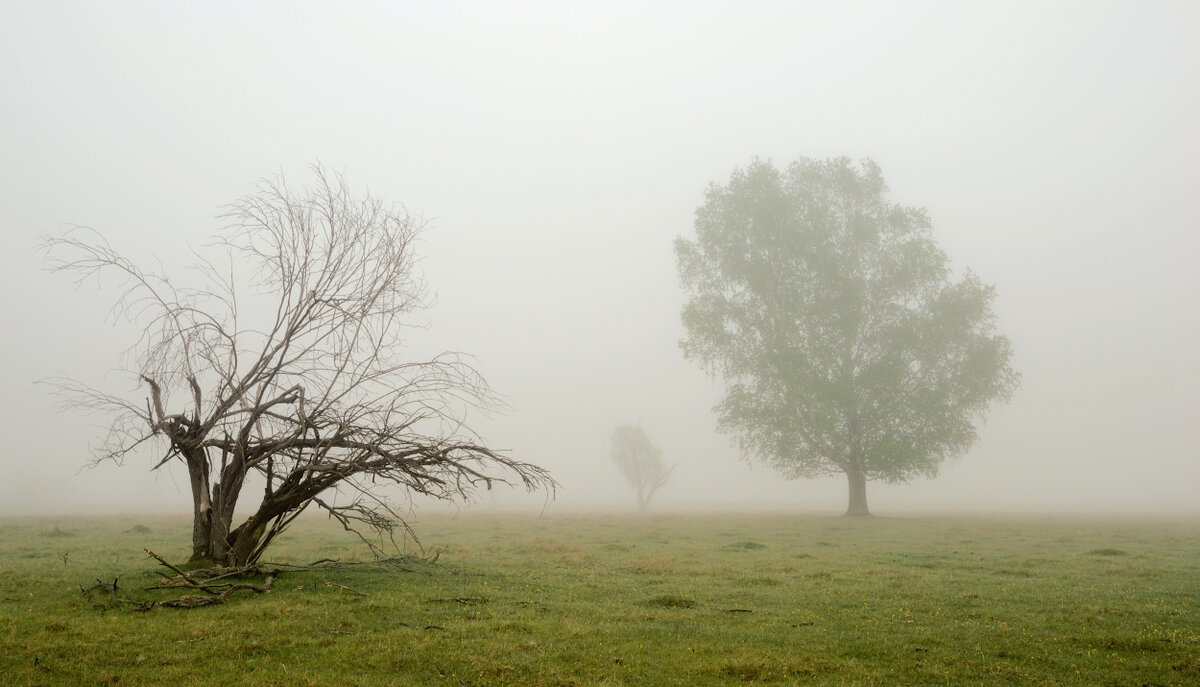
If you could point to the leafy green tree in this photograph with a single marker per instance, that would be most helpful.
(640, 462)
(845, 343)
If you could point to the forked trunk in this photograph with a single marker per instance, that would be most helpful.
(201, 531)
(214, 541)
(244, 542)
(202, 512)
(858, 493)
(212, 515)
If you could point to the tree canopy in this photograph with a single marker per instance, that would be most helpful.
(640, 461)
(846, 343)
(295, 376)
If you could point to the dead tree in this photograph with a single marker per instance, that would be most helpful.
(293, 378)
(640, 462)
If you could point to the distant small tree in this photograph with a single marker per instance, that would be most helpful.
(831, 314)
(640, 462)
(295, 376)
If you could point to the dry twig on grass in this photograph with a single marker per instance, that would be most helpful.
(342, 586)
(216, 593)
(464, 600)
(213, 585)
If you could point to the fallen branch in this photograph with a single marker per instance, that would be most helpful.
(185, 601)
(103, 586)
(342, 586)
(465, 600)
(188, 578)
(216, 594)
(198, 580)
(213, 585)
(393, 564)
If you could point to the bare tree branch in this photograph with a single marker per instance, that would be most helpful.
(314, 396)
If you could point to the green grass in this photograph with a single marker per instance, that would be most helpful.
(624, 600)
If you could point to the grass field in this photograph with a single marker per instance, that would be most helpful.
(623, 600)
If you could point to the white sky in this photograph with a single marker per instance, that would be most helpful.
(558, 149)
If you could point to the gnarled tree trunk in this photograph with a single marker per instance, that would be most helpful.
(201, 511)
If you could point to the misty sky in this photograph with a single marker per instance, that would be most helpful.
(558, 148)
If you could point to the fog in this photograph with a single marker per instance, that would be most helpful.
(556, 150)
